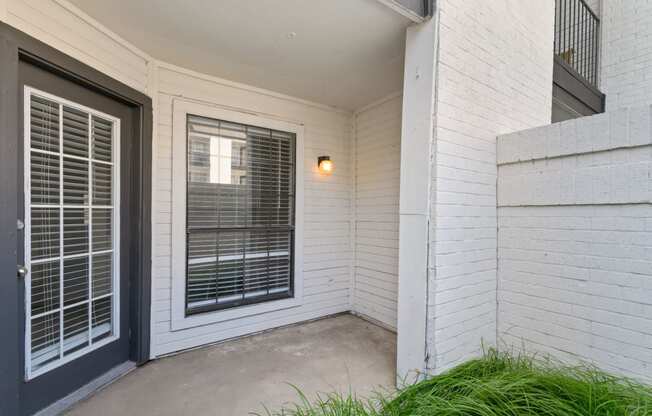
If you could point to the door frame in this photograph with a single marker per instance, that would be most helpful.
(16, 47)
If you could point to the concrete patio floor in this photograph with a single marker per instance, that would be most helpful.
(237, 377)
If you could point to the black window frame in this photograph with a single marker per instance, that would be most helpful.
(290, 294)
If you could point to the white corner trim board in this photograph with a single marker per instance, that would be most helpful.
(414, 210)
(376, 163)
(181, 109)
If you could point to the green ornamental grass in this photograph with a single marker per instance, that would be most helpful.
(498, 384)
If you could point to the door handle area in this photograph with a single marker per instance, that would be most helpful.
(22, 271)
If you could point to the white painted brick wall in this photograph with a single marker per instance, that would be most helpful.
(494, 76)
(626, 70)
(377, 175)
(575, 240)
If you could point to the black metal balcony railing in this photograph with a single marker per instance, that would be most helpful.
(577, 30)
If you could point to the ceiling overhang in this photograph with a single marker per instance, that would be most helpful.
(342, 53)
(415, 10)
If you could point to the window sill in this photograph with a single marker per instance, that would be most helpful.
(207, 318)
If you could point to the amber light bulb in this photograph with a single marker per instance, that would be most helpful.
(325, 165)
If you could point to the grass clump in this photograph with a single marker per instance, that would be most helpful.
(498, 384)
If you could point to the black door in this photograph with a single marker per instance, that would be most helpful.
(75, 166)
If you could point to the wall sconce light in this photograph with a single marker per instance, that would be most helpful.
(325, 165)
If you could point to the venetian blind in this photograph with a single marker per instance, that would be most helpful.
(240, 214)
(70, 212)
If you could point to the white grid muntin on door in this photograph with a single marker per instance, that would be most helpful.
(71, 230)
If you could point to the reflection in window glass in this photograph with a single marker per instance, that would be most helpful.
(240, 214)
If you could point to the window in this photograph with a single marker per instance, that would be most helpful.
(240, 214)
(71, 173)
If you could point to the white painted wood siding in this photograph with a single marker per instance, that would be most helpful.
(328, 239)
(74, 33)
(378, 160)
(327, 235)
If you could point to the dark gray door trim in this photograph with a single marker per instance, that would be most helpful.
(16, 46)
(9, 328)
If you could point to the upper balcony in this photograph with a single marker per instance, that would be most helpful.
(420, 8)
(577, 61)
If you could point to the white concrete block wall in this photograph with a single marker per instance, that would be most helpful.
(494, 75)
(575, 240)
(377, 176)
(327, 213)
(626, 70)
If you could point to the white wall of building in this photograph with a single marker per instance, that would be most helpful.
(626, 70)
(74, 33)
(575, 240)
(377, 175)
(327, 251)
(414, 199)
(328, 234)
(494, 76)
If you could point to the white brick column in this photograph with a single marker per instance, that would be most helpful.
(477, 69)
(493, 76)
